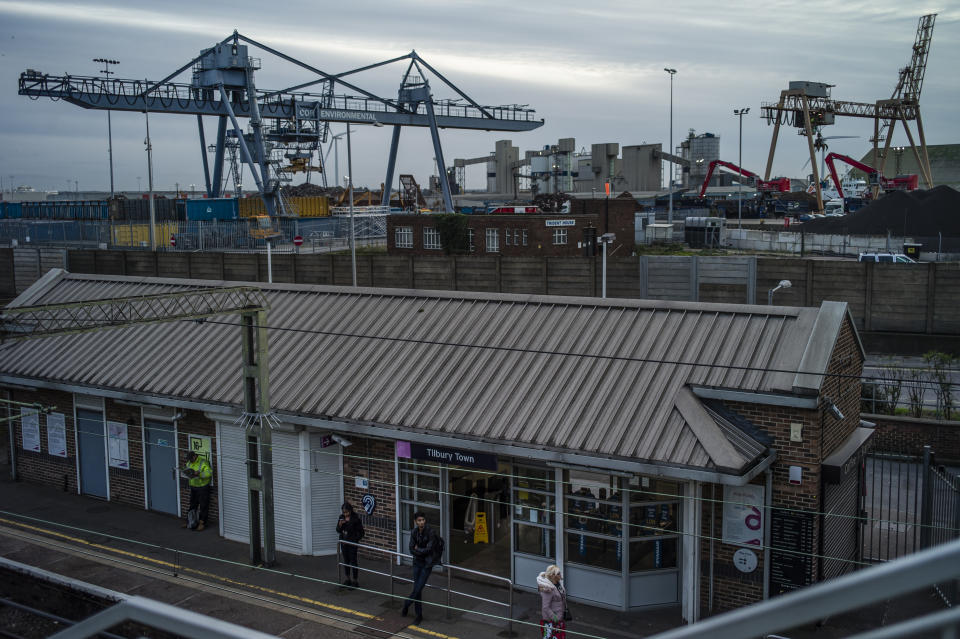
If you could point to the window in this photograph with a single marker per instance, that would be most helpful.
(594, 512)
(524, 236)
(473, 246)
(559, 236)
(654, 521)
(516, 237)
(507, 235)
(493, 241)
(534, 511)
(419, 490)
(431, 238)
(404, 237)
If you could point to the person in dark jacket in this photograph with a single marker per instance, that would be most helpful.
(422, 542)
(350, 528)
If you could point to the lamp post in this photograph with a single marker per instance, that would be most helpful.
(782, 284)
(107, 72)
(606, 238)
(672, 73)
(740, 113)
(353, 247)
(153, 214)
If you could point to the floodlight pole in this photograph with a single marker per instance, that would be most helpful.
(672, 73)
(740, 113)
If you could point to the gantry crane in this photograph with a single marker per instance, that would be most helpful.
(31, 322)
(809, 106)
(284, 121)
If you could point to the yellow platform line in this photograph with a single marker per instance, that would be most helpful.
(208, 575)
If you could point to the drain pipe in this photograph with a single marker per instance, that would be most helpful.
(768, 505)
(713, 521)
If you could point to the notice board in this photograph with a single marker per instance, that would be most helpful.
(791, 550)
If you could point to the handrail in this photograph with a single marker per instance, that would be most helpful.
(449, 589)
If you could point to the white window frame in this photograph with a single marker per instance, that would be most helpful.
(560, 236)
(429, 235)
(493, 246)
(403, 237)
(470, 234)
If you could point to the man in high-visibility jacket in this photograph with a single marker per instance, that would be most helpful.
(199, 473)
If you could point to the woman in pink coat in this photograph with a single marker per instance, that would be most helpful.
(553, 603)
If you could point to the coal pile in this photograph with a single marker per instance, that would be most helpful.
(306, 190)
(918, 213)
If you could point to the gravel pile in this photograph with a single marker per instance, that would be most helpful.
(919, 213)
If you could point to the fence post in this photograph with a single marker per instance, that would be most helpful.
(955, 596)
(510, 615)
(926, 506)
(449, 586)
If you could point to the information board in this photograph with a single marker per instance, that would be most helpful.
(30, 428)
(743, 515)
(117, 445)
(57, 434)
(791, 551)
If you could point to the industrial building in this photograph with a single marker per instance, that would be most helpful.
(702, 455)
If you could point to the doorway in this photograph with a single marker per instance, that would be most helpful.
(479, 521)
(91, 442)
(160, 439)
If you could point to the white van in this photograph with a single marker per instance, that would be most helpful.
(898, 258)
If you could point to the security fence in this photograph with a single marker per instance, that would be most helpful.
(318, 234)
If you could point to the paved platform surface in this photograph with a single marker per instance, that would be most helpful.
(85, 538)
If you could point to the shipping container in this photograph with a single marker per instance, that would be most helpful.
(211, 209)
(311, 206)
(138, 235)
(251, 206)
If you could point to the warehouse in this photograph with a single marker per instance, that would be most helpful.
(656, 450)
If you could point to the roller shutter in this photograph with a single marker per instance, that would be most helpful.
(841, 526)
(288, 513)
(326, 494)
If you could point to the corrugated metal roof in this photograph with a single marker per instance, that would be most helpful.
(586, 375)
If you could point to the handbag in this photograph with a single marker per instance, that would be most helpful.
(566, 614)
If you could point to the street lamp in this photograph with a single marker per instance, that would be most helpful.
(107, 72)
(353, 247)
(672, 73)
(606, 238)
(740, 113)
(782, 284)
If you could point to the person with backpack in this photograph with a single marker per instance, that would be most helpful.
(427, 550)
(350, 529)
(199, 475)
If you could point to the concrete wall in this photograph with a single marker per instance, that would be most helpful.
(918, 299)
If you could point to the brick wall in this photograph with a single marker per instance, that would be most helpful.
(373, 459)
(126, 485)
(42, 467)
(908, 436)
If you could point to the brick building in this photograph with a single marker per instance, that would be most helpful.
(702, 455)
(550, 234)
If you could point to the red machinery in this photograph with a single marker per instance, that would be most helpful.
(874, 177)
(780, 185)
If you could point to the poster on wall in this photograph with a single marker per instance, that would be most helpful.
(117, 445)
(743, 515)
(30, 426)
(56, 434)
(200, 444)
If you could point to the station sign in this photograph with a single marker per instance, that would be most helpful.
(449, 456)
(561, 223)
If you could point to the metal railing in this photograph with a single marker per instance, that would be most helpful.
(843, 594)
(393, 557)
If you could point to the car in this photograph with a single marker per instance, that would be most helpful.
(897, 258)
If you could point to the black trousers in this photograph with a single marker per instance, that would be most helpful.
(421, 572)
(200, 500)
(350, 560)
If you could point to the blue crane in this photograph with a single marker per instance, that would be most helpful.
(287, 122)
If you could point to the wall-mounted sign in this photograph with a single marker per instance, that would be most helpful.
(30, 428)
(743, 515)
(451, 456)
(550, 223)
(361, 482)
(200, 444)
(369, 503)
(117, 445)
(745, 560)
(57, 434)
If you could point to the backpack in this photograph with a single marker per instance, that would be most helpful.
(438, 547)
(192, 519)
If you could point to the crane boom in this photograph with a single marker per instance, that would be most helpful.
(874, 177)
(781, 185)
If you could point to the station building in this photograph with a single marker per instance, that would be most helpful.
(523, 234)
(662, 453)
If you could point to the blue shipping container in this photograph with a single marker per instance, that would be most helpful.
(212, 209)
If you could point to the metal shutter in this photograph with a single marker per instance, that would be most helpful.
(287, 493)
(232, 452)
(326, 495)
(841, 527)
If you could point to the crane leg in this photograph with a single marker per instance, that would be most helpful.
(813, 152)
(776, 133)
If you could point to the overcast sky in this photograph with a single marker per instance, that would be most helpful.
(593, 70)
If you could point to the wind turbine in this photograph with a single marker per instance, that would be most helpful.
(820, 144)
